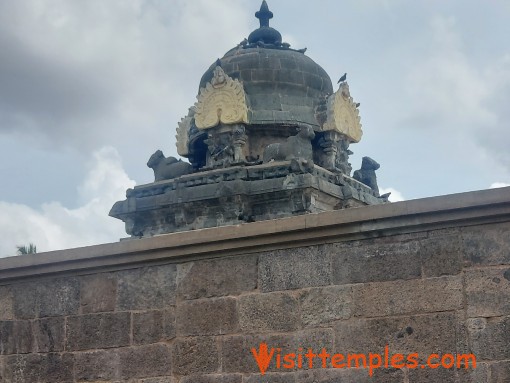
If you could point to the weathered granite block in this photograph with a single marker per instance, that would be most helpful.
(480, 374)
(98, 293)
(146, 288)
(6, 303)
(316, 340)
(424, 334)
(487, 245)
(427, 375)
(335, 375)
(237, 351)
(167, 379)
(207, 317)
(408, 297)
(294, 269)
(271, 377)
(487, 292)
(100, 365)
(153, 326)
(268, 312)
(195, 355)
(15, 337)
(500, 372)
(213, 378)
(48, 334)
(98, 331)
(39, 368)
(490, 338)
(322, 305)
(440, 255)
(373, 263)
(386, 375)
(217, 277)
(52, 297)
(145, 361)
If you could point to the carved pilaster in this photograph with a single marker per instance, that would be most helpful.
(342, 157)
(239, 139)
(328, 143)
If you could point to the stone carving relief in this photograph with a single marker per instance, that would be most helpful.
(182, 137)
(221, 150)
(222, 101)
(343, 115)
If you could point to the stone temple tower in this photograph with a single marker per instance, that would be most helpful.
(267, 138)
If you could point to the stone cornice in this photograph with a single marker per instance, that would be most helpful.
(463, 209)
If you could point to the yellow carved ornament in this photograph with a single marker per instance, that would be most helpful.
(343, 115)
(222, 101)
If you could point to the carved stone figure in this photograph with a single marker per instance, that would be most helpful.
(367, 175)
(295, 147)
(166, 168)
(342, 157)
(221, 152)
(239, 139)
(221, 101)
(343, 115)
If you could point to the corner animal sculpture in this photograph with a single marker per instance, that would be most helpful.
(367, 175)
(167, 168)
(295, 147)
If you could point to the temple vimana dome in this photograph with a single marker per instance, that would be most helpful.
(268, 137)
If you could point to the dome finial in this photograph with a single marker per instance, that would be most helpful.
(264, 14)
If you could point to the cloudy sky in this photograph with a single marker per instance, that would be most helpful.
(90, 89)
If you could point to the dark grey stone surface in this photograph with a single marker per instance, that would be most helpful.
(98, 293)
(372, 263)
(207, 317)
(195, 355)
(15, 337)
(213, 378)
(294, 268)
(49, 334)
(217, 277)
(153, 326)
(146, 288)
(145, 361)
(102, 365)
(440, 255)
(52, 297)
(422, 334)
(35, 368)
(92, 331)
(268, 312)
(490, 337)
(270, 76)
(487, 292)
(408, 297)
(321, 306)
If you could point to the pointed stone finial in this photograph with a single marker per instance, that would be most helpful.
(265, 36)
(264, 14)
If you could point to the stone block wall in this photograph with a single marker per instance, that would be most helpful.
(168, 315)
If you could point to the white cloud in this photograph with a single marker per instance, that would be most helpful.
(498, 185)
(395, 196)
(54, 226)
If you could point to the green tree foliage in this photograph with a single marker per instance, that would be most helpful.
(29, 249)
